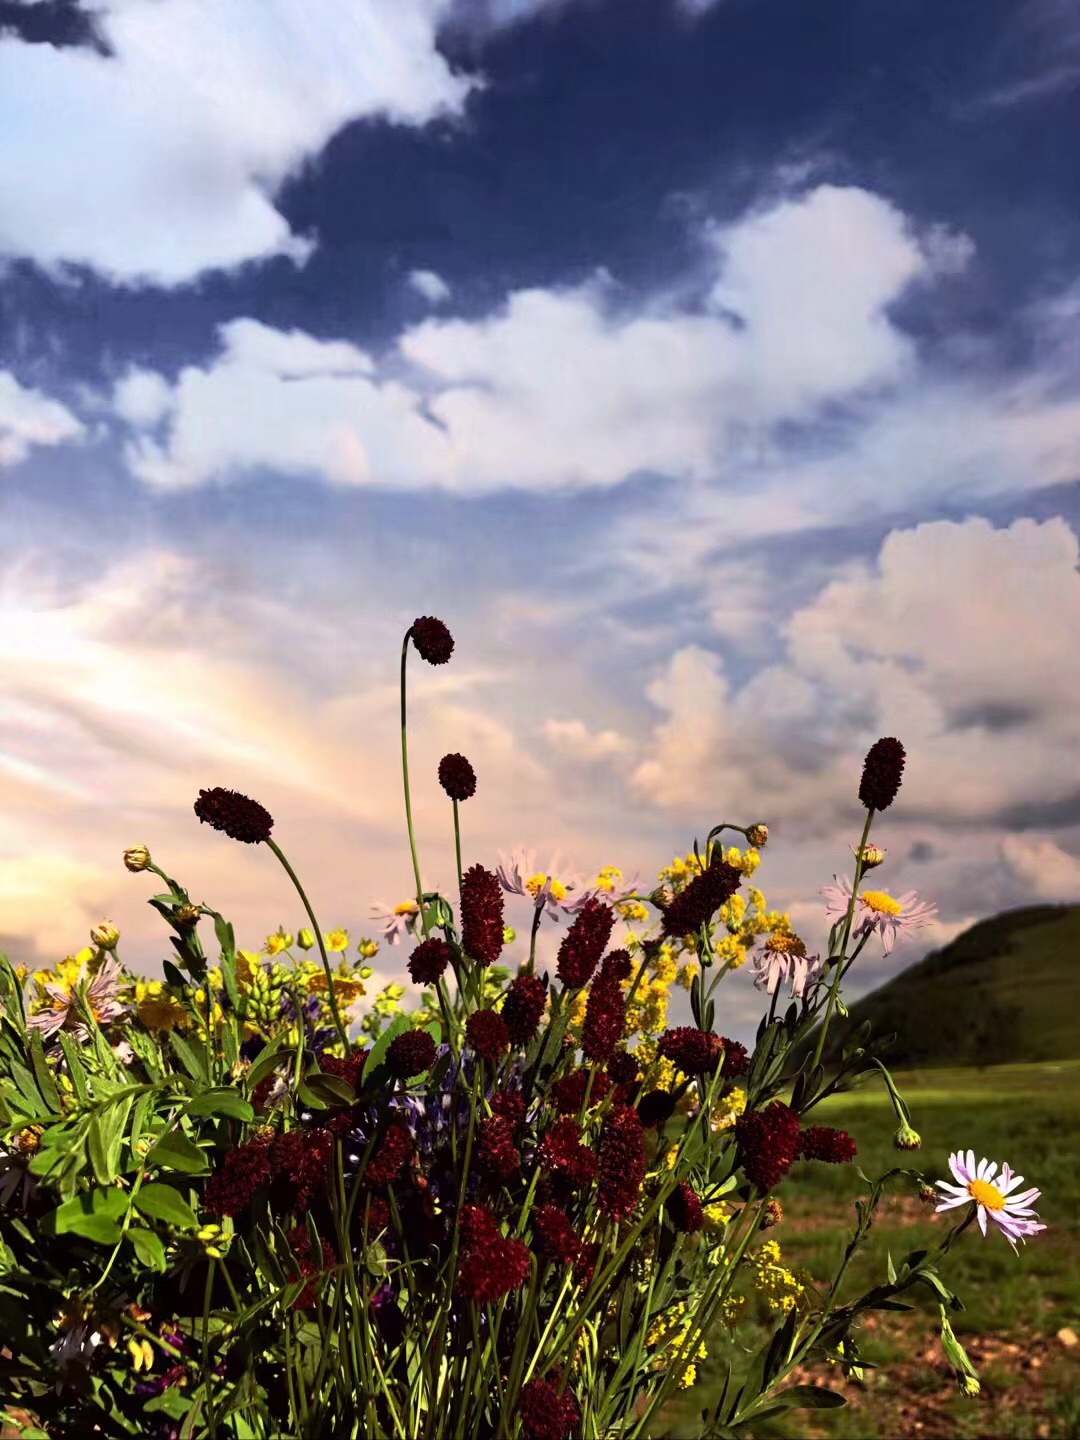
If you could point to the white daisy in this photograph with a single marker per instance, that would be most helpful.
(993, 1197)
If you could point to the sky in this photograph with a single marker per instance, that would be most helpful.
(711, 369)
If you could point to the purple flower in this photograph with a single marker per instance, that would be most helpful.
(1011, 1212)
(879, 911)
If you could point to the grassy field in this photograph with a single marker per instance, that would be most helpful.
(1015, 1305)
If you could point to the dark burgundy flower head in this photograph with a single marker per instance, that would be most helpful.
(490, 1265)
(497, 1155)
(510, 1105)
(693, 1051)
(390, 1155)
(545, 1414)
(349, 1067)
(622, 1163)
(486, 1032)
(626, 1073)
(583, 944)
(238, 816)
(698, 903)
(882, 769)
(656, 1108)
(457, 777)
(553, 1236)
(481, 915)
(244, 1170)
(736, 1060)
(523, 1007)
(306, 1265)
(410, 1053)
(822, 1142)
(605, 1017)
(429, 960)
(562, 1154)
(568, 1092)
(299, 1160)
(432, 639)
(685, 1210)
(616, 966)
(768, 1141)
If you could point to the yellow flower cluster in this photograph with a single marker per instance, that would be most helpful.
(669, 1333)
(772, 1280)
(727, 1110)
(158, 1008)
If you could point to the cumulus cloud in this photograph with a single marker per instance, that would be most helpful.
(29, 418)
(574, 739)
(571, 387)
(150, 164)
(1048, 871)
(953, 639)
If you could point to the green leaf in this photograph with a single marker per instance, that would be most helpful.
(148, 1247)
(264, 1062)
(94, 1216)
(75, 1066)
(162, 1202)
(173, 976)
(221, 1100)
(809, 1397)
(333, 1089)
(191, 1057)
(45, 1081)
(174, 1151)
(24, 1083)
(95, 1145)
(890, 1268)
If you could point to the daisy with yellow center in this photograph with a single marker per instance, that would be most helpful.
(993, 1195)
(876, 910)
(398, 921)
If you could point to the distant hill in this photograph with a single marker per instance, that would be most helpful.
(1007, 990)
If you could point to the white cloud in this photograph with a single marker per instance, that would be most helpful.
(161, 160)
(564, 387)
(575, 739)
(1048, 871)
(29, 418)
(142, 397)
(430, 285)
(953, 640)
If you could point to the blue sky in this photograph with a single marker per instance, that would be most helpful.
(709, 368)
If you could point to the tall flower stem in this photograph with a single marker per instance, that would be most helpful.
(537, 912)
(843, 943)
(408, 802)
(343, 1034)
(457, 845)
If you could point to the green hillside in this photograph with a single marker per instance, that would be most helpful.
(1005, 991)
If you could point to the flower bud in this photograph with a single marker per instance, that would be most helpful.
(928, 1195)
(757, 835)
(662, 896)
(774, 1213)
(509, 935)
(105, 935)
(969, 1385)
(365, 972)
(186, 915)
(872, 856)
(305, 939)
(368, 948)
(137, 858)
(907, 1139)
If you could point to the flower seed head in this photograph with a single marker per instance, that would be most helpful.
(757, 835)
(432, 639)
(137, 858)
(882, 769)
(457, 777)
(238, 816)
(907, 1139)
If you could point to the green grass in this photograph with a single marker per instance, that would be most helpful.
(1009, 987)
(1025, 1114)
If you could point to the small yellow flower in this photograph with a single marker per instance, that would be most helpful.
(277, 943)
(685, 977)
(28, 1141)
(246, 966)
(141, 1352)
(368, 948)
(727, 1110)
(337, 940)
(773, 1281)
(162, 1012)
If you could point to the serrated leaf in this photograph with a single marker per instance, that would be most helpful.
(222, 1100)
(174, 1151)
(162, 1202)
(148, 1246)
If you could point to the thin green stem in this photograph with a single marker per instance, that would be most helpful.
(843, 943)
(408, 801)
(457, 844)
(343, 1034)
(538, 911)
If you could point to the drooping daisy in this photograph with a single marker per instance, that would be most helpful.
(402, 919)
(784, 960)
(892, 917)
(993, 1195)
(102, 997)
(518, 875)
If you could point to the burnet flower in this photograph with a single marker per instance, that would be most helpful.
(993, 1196)
(396, 921)
(877, 911)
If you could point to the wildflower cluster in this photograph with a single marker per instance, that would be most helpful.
(530, 1207)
